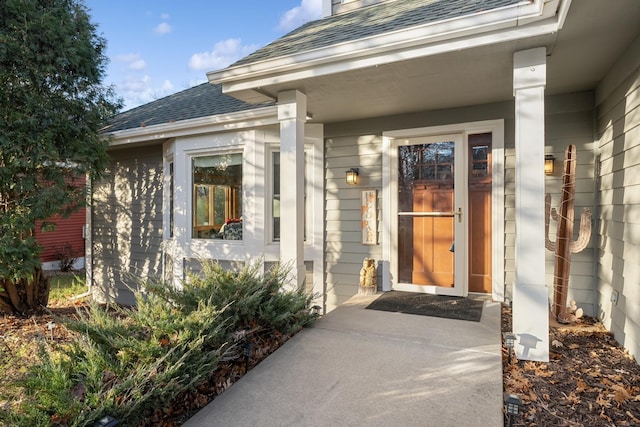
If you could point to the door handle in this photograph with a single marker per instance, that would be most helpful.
(459, 214)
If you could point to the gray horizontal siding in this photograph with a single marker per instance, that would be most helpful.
(126, 221)
(569, 120)
(344, 251)
(618, 227)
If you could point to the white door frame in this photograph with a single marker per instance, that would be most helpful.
(460, 287)
(389, 198)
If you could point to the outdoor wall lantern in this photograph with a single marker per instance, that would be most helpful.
(509, 342)
(548, 164)
(352, 176)
(513, 403)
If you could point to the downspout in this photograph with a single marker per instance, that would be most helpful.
(88, 243)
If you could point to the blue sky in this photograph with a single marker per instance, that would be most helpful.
(159, 47)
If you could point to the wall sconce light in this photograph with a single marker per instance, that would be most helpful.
(548, 164)
(513, 403)
(352, 176)
(509, 342)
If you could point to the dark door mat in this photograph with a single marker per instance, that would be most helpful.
(429, 305)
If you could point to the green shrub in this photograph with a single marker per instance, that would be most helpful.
(129, 362)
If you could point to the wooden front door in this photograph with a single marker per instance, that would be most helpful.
(433, 235)
(430, 214)
(480, 233)
(441, 248)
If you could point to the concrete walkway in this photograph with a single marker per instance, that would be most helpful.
(360, 367)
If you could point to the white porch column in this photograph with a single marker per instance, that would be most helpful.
(530, 294)
(292, 113)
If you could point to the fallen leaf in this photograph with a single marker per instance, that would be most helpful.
(556, 343)
(107, 376)
(603, 400)
(79, 392)
(620, 394)
(573, 398)
(581, 386)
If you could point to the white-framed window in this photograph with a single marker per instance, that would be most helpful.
(275, 196)
(217, 196)
(171, 198)
(273, 204)
(168, 190)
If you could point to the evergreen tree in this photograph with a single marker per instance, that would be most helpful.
(52, 107)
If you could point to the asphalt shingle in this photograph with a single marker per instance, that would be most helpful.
(370, 21)
(199, 101)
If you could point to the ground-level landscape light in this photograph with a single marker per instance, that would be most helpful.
(106, 421)
(247, 355)
(513, 403)
(509, 342)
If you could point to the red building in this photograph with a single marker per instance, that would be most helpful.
(66, 241)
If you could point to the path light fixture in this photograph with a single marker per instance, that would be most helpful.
(513, 404)
(106, 421)
(51, 326)
(548, 164)
(247, 355)
(352, 176)
(509, 342)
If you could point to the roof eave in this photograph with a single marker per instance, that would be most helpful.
(525, 19)
(211, 124)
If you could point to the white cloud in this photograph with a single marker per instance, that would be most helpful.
(224, 52)
(167, 86)
(139, 90)
(127, 57)
(137, 65)
(165, 16)
(132, 61)
(135, 90)
(307, 11)
(162, 29)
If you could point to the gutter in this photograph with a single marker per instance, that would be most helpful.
(220, 123)
(526, 19)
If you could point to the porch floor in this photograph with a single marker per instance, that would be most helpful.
(360, 367)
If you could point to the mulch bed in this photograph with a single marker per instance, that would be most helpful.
(590, 379)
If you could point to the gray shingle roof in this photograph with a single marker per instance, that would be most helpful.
(199, 101)
(370, 21)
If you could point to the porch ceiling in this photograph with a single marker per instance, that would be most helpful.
(594, 36)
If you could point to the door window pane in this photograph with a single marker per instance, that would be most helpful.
(425, 220)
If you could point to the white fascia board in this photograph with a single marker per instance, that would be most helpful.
(221, 123)
(439, 37)
(505, 35)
